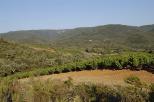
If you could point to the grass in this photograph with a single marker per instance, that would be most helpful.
(59, 91)
(133, 80)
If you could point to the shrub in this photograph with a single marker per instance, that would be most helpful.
(133, 80)
(127, 60)
(59, 91)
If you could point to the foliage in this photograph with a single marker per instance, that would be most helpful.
(133, 80)
(113, 36)
(20, 58)
(58, 91)
(24, 61)
(122, 61)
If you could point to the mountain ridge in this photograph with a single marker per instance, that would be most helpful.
(113, 35)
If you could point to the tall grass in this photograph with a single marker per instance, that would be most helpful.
(58, 91)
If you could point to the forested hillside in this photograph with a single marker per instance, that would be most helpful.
(107, 37)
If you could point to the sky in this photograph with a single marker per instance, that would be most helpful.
(64, 14)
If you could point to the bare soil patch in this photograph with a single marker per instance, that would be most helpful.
(107, 77)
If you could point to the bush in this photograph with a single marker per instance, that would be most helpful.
(133, 80)
(135, 61)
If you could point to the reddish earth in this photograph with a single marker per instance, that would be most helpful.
(108, 77)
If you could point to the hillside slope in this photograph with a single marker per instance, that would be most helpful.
(15, 58)
(107, 36)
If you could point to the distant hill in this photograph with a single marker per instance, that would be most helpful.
(106, 36)
(32, 36)
(147, 27)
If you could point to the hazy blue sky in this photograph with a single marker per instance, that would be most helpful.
(58, 14)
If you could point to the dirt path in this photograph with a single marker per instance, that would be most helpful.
(108, 77)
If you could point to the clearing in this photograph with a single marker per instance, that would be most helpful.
(107, 77)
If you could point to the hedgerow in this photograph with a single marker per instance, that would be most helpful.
(134, 61)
